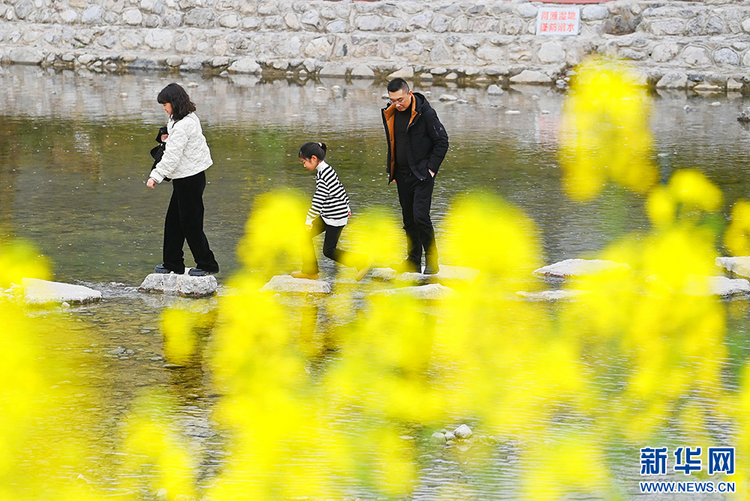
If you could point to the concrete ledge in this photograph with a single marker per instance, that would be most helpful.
(182, 285)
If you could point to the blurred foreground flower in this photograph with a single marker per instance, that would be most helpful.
(737, 236)
(605, 132)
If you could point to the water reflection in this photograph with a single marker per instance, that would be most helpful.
(75, 154)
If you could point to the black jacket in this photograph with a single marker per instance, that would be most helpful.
(427, 139)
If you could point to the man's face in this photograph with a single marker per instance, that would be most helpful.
(400, 99)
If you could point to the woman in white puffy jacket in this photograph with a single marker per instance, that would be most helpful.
(185, 160)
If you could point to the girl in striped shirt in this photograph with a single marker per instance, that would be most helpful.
(329, 213)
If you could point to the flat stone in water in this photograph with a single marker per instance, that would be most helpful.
(287, 283)
(725, 287)
(42, 292)
(446, 272)
(579, 267)
(737, 265)
(551, 295)
(429, 291)
(183, 285)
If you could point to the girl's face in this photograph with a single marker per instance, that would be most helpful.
(168, 108)
(310, 163)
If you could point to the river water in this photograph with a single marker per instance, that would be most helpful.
(74, 155)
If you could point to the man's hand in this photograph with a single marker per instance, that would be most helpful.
(151, 183)
(431, 173)
(309, 227)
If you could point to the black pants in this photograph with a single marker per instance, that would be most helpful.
(415, 197)
(184, 221)
(330, 241)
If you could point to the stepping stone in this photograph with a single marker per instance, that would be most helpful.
(446, 273)
(738, 265)
(287, 283)
(182, 285)
(430, 292)
(579, 267)
(42, 292)
(550, 296)
(725, 287)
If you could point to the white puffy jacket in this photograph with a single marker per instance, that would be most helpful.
(186, 152)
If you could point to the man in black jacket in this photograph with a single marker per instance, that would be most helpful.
(417, 144)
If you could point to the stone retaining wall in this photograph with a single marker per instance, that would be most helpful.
(674, 44)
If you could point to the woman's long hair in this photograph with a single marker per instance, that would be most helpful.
(175, 95)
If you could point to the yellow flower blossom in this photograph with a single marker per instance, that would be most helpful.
(605, 132)
(737, 236)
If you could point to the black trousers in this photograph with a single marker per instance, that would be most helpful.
(184, 221)
(415, 197)
(330, 241)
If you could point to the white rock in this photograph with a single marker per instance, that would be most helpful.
(437, 438)
(579, 267)
(448, 97)
(512, 112)
(551, 52)
(429, 292)
(733, 84)
(41, 291)
(362, 71)
(723, 286)
(695, 56)
(594, 12)
(385, 274)
(727, 56)
(672, 80)
(245, 65)
(463, 431)
(405, 72)
(286, 283)
(531, 77)
(26, 55)
(527, 10)
(494, 90)
(333, 70)
(449, 435)
(69, 16)
(704, 87)
(132, 17)
(183, 285)
(446, 273)
(738, 265)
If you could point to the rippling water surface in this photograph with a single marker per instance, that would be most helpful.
(74, 155)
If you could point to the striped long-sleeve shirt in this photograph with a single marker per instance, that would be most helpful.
(330, 201)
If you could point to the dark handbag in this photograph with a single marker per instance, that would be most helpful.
(158, 151)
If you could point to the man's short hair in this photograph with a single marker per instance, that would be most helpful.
(398, 84)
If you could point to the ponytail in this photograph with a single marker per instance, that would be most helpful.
(310, 149)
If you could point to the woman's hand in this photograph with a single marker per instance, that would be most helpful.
(151, 183)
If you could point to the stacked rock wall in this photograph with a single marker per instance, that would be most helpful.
(672, 43)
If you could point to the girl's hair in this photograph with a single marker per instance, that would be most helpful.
(175, 95)
(308, 150)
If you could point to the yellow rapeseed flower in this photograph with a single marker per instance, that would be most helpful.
(605, 132)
